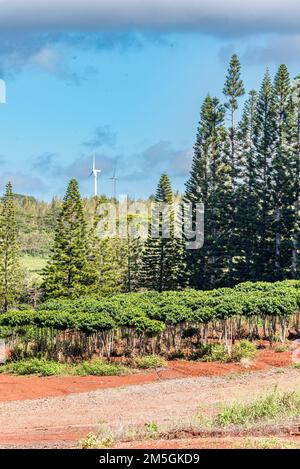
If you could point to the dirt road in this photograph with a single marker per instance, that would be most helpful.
(62, 421)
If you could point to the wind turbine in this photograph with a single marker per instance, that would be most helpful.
(95, 173)
(114, 179)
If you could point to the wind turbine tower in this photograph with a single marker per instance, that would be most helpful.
(114, 179)
(95, 173)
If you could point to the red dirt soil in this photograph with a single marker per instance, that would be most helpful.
(33, 387)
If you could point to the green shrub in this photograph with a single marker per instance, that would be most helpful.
(214, 353)
(271, 406)
(149, 361)
(99, 368)
(243, 349)
(35, 366)
(282, 348)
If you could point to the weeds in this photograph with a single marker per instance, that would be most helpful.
(267, 443)
(282, 348)
(34, 366)
(99, 368)
(149, 361)
(152, 429)
(218, 352)
(42, 367)
(272, 406)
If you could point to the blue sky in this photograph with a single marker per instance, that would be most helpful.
(131, 95)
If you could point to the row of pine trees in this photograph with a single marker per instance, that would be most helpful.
(246, 175)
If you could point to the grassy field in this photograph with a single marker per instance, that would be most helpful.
(33, 264)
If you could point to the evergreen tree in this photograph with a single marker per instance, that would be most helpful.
(134, 249)
(210, 183)
(10, 272)
(197, 184)
(163, 261)
(247, 200)
(282, 163)
(70, 271)
(265, 141)
(295, 231)
(233, 89)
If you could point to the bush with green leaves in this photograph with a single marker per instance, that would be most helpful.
(99, 368)
(149, 361)
(35, 366)
(243, 349)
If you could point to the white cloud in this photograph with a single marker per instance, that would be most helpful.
(214, 16)
(46, 58)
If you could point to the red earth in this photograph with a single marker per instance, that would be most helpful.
(14, 388)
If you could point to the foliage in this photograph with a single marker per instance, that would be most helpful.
(99, 368)
(271, 406)
(70, 272)
(153, 323)
(214, 353)
(150, 361)
(11, 276)
(243, 349)
(163, 261)
(35, 366)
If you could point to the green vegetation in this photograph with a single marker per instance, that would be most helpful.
(11, 276)
(34, 366)
(69, 271)
(152, 323)
(243, 349)
(163, 260)
(149, 361)
(33, 264)
(267, 443)
(42, 367)
(270, 407)
(99, 368)
(219, 352)
(247, 176)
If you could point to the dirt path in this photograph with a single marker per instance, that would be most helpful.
(62, 421)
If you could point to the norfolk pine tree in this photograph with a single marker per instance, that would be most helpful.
(233, 90)
(163, 260)
(70, 271)
(265, 142)
(210, 182)
(296, 181)
(10, 272)
(247, 200)
(283, 174)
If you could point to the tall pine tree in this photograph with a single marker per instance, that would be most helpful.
(70, 271)
(265, 142)
(210, 182)
(247, 200)
(282, 173)
(163, 260)
(10, 272)
(295, 232)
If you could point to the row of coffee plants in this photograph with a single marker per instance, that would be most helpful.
(169, 323)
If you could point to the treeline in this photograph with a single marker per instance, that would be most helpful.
(247, 176)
